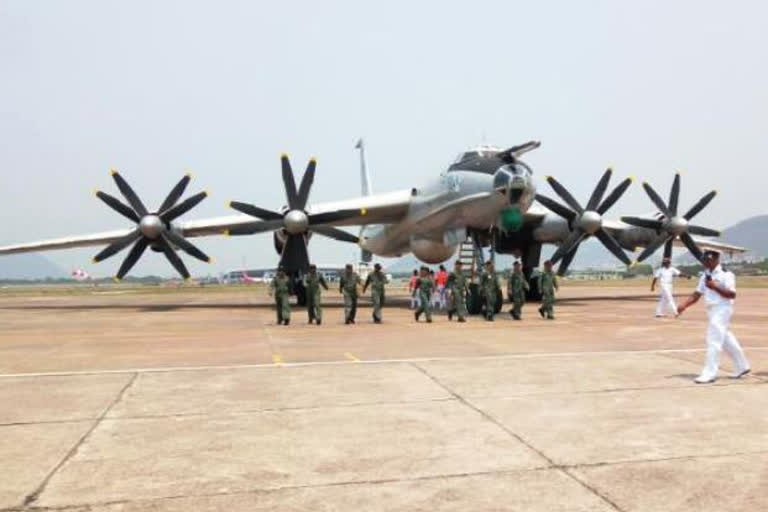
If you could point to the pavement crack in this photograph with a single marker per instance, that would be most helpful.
(31, 498)
(518, 437)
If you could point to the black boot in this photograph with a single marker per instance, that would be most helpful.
(450, 314)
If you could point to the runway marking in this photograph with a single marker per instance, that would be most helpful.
(161, 369)
(351, 357)
(277, 359)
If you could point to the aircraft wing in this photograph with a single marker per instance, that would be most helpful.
(616, 227)
(103, 238)
(373, 209)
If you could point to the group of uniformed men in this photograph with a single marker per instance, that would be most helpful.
(314, 282)
(423, 287)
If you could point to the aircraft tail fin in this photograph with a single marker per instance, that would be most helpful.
(365, 178)
(366, 189)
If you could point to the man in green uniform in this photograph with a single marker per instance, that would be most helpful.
(517, 285)
(489, 287)
(425, 287)
(312, 283)
(457, 284)
(280, 288)
(547, 286)
(376, 280)
(348, 284)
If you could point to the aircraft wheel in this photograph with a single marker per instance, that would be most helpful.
(474, 301)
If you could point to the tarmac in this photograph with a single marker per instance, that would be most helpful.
(195, 400)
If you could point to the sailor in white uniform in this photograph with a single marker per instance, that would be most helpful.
(718, 287)
(665, 276)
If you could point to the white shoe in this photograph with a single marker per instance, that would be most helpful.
(703, 380)
(741, 374)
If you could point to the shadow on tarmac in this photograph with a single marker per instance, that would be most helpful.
(400, 302)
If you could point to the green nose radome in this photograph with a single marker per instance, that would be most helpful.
(511, 219)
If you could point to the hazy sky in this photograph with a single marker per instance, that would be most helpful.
(222, 88)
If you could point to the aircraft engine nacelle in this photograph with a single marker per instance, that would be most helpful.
(280, 236)
(431, 251)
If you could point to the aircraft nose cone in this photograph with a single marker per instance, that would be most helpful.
(677, 225)
(590, 222)
(151, 226)
(296, 222)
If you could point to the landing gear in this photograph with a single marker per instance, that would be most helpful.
(476, 302)
(299, 291)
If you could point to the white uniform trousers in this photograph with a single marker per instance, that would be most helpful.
(719, 337)
(666, 301)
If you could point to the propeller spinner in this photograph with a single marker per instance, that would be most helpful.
(673, 225)
(585, 222)
(152, 228)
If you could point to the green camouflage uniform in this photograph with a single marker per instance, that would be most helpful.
(281, 288)
(547, 286)
(348, 284)
(489, 287)
(425, 287)
(457, 283)
(517, 285)
(313, 284)
(376, 280)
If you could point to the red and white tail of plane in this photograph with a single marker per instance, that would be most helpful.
(79, 274)
(249, 280)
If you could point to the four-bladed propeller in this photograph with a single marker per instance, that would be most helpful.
(295, 221)
(152, 228)
(673, 225)
(585, 221)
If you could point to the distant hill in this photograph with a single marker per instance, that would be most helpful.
(751, 233)
(29, 266)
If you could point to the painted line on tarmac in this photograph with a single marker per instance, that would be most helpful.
(351, 357)
(277, 359)
(161, 369)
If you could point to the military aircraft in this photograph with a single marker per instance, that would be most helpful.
(487, 195)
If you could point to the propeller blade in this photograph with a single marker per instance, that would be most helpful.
(565, 195)
(568, 245)
(173, 257)
(614, 196)
(643, 223)
(691, 245)
(117, 246)
(182, 243)
(599, 192)
(612, 245)
(129, 194)
(556, 207)
(674, 194)
(295, 257)
(566, 262)
(254, 211)
(175, 193)
(118, 206)
(338, 215)
(306, 184)
(700, 205)
(668, 248)
(657, 200)
(702, 231)
(133, 257)
(183, 207)
(289, 183)
(652, 248)
(252, 228)
(336, 234)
